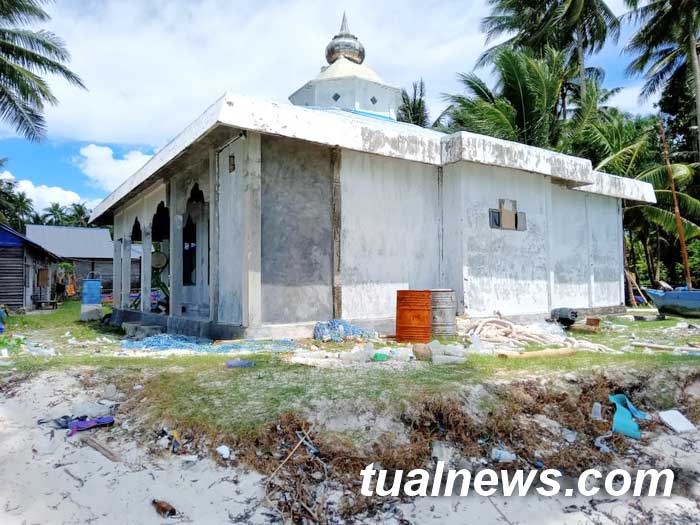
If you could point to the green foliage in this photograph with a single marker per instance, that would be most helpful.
(523, 109)
(413, 107)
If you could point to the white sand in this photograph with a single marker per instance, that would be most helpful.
(60, 480)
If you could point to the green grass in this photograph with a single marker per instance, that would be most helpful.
(198, 391)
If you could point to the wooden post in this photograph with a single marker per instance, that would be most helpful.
(679, 222)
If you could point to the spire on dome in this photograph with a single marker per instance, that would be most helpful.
(346, 45)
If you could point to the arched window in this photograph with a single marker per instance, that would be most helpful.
(189, 238)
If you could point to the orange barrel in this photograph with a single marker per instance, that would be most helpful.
(413, 316)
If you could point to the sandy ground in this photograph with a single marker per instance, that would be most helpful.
(55, 479)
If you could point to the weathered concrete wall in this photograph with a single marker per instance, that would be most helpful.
(504, 271)
(238, 230)
(390, 232)
(569, 255)
(570, 249)
(607, 262)
(296, 231)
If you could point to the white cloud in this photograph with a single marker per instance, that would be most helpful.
(104, 170)
(153, 66)
(42, 195)
(628, 100)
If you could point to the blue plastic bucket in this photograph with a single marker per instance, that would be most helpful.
(91, 291)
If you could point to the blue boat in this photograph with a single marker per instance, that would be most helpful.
(680, 301)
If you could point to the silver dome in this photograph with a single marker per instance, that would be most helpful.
(345, 44)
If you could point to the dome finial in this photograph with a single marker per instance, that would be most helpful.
(346, 45)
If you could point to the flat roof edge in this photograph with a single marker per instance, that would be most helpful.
(620, 187)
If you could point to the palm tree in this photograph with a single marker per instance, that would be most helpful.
(413, 107)
(22, 210)
(668, 36)
(79, 214)
(524, 107)
(577, 27)
(55, 215)
(36, 218)
(26, 56)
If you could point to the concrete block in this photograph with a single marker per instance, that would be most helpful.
(148, 330)
(130, 328)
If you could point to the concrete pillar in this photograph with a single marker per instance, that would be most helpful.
(176, 225)
(213, 237)
(146, 247)
(337, 228)
(252, 201)
(117, 274)
(126, 271)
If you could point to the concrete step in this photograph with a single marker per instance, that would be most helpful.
(130, 328)
(148, 330)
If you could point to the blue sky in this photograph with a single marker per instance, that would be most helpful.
(151, 67)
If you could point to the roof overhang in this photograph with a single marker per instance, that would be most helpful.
(364, 134)
(620, 187)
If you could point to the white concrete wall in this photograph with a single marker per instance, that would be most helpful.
(389, 238)
(569, 255)
(503, 271)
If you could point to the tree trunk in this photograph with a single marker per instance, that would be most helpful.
(693, 52)
(633, 259)
(581, 61)
(657, 274)
(649, 259)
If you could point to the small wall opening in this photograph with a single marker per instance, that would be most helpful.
(189, 253)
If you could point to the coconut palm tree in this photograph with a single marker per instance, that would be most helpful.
(22, 210)
(577, 27)
(413, 107)
(523, 106)
(26, 57)
(55, 214)
(665, 44)
(79, 214)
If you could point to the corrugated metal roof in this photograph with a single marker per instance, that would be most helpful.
(72, 242)
(25, 240)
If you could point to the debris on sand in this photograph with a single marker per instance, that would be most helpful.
(505, 333)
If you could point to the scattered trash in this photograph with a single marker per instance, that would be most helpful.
(453, 350)
(164, 508)
(4, 352)
(422, 352)
(239, 363)
(7, 363)
(163, 342)
(223, 451)
(550, 352)
(502, 456)
(601, 445)
(80, 425)
(90, 409)
(625, 411)
(138, 387)
(448, 360)
(564, 316)
(99, 447)
(378, 356)
(338, 330)
(110, 392)
(539, 464)
(40, 351)
(569, 435)
(677, 421)
(597, 412)
(176, 443)
(309, 446)
(189, 461)
(505, 333)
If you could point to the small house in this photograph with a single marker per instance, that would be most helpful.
(88, 249)
(26, 277)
